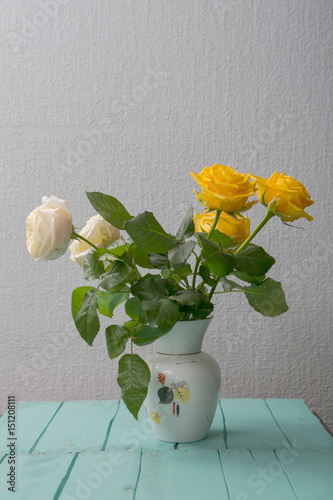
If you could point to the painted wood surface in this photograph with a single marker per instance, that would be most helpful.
(32, 419)
(103, 475)
(78, 426)
(250, 425)
(256, 449)
(299, 424)
(181, 475)
(38, 476)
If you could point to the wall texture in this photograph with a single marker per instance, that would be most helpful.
(127, 97)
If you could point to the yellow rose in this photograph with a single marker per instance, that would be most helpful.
(97, 231)
(49, 229)
(224, 189)
(235, 228)
(288, 196)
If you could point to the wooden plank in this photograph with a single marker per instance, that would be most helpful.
(37, 476)
(103, 475)
(176, 475)
(302, 429)
(78, 425)
(310, 473)
(254, 475)
(31, 419)
(55, 470)
(250, 424)
(128, 433)
(215, 439)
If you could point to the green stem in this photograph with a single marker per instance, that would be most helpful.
(213, 289)
(216, 219)
(186, 282)
(78, 236)
(195, 272)
(268, 216)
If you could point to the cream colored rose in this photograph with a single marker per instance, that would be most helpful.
(97, 231)
(49, 229)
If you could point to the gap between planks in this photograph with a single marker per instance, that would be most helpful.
(225, 432)
(66, 477)
(223, 475)
(278, 424)
(107, 435)
(45, 429)
(139, 475)
(286, 474)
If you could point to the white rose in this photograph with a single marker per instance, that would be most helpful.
(49, 229)
(97, 231)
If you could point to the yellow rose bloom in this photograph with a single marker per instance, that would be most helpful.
(224, 189)
(289, 196)
(235, 228)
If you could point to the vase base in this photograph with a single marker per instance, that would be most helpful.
(180, 441)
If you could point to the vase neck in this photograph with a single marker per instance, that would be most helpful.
(185, 337)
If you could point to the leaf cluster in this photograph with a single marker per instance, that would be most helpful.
(150, 272)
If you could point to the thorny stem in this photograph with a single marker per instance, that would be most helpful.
(78, 236)
(268, 216)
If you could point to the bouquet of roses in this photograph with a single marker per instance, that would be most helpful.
(163, 278)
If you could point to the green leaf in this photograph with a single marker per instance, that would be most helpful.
(116, 339)
(267, 298)
(134, 276)
(78, 296)
(131, 324)
(197, 311)
(230, 285)
(183, 272)
(186, 229)
(162, 313)
(108, 301)
(166, 273)
(180, 253)
(134, 309)
(150, 288)
(117, 274)
(188, 297)
(92, 267)
(253, 261)
(141, 258)
(250, 279)
(159, 260)
(86, 319)
(177, 274)
(205, 275)
(222, 240)
(133, 379)
(220, 263)
(148, 234)
(117, 249)
(109, 208)
(144, 334)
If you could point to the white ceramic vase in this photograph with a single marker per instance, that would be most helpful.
(185, 383)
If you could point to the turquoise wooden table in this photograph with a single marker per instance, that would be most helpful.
(269, 450)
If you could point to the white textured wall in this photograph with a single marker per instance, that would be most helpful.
(127, 97)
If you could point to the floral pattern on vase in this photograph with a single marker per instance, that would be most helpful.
(184, 388)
